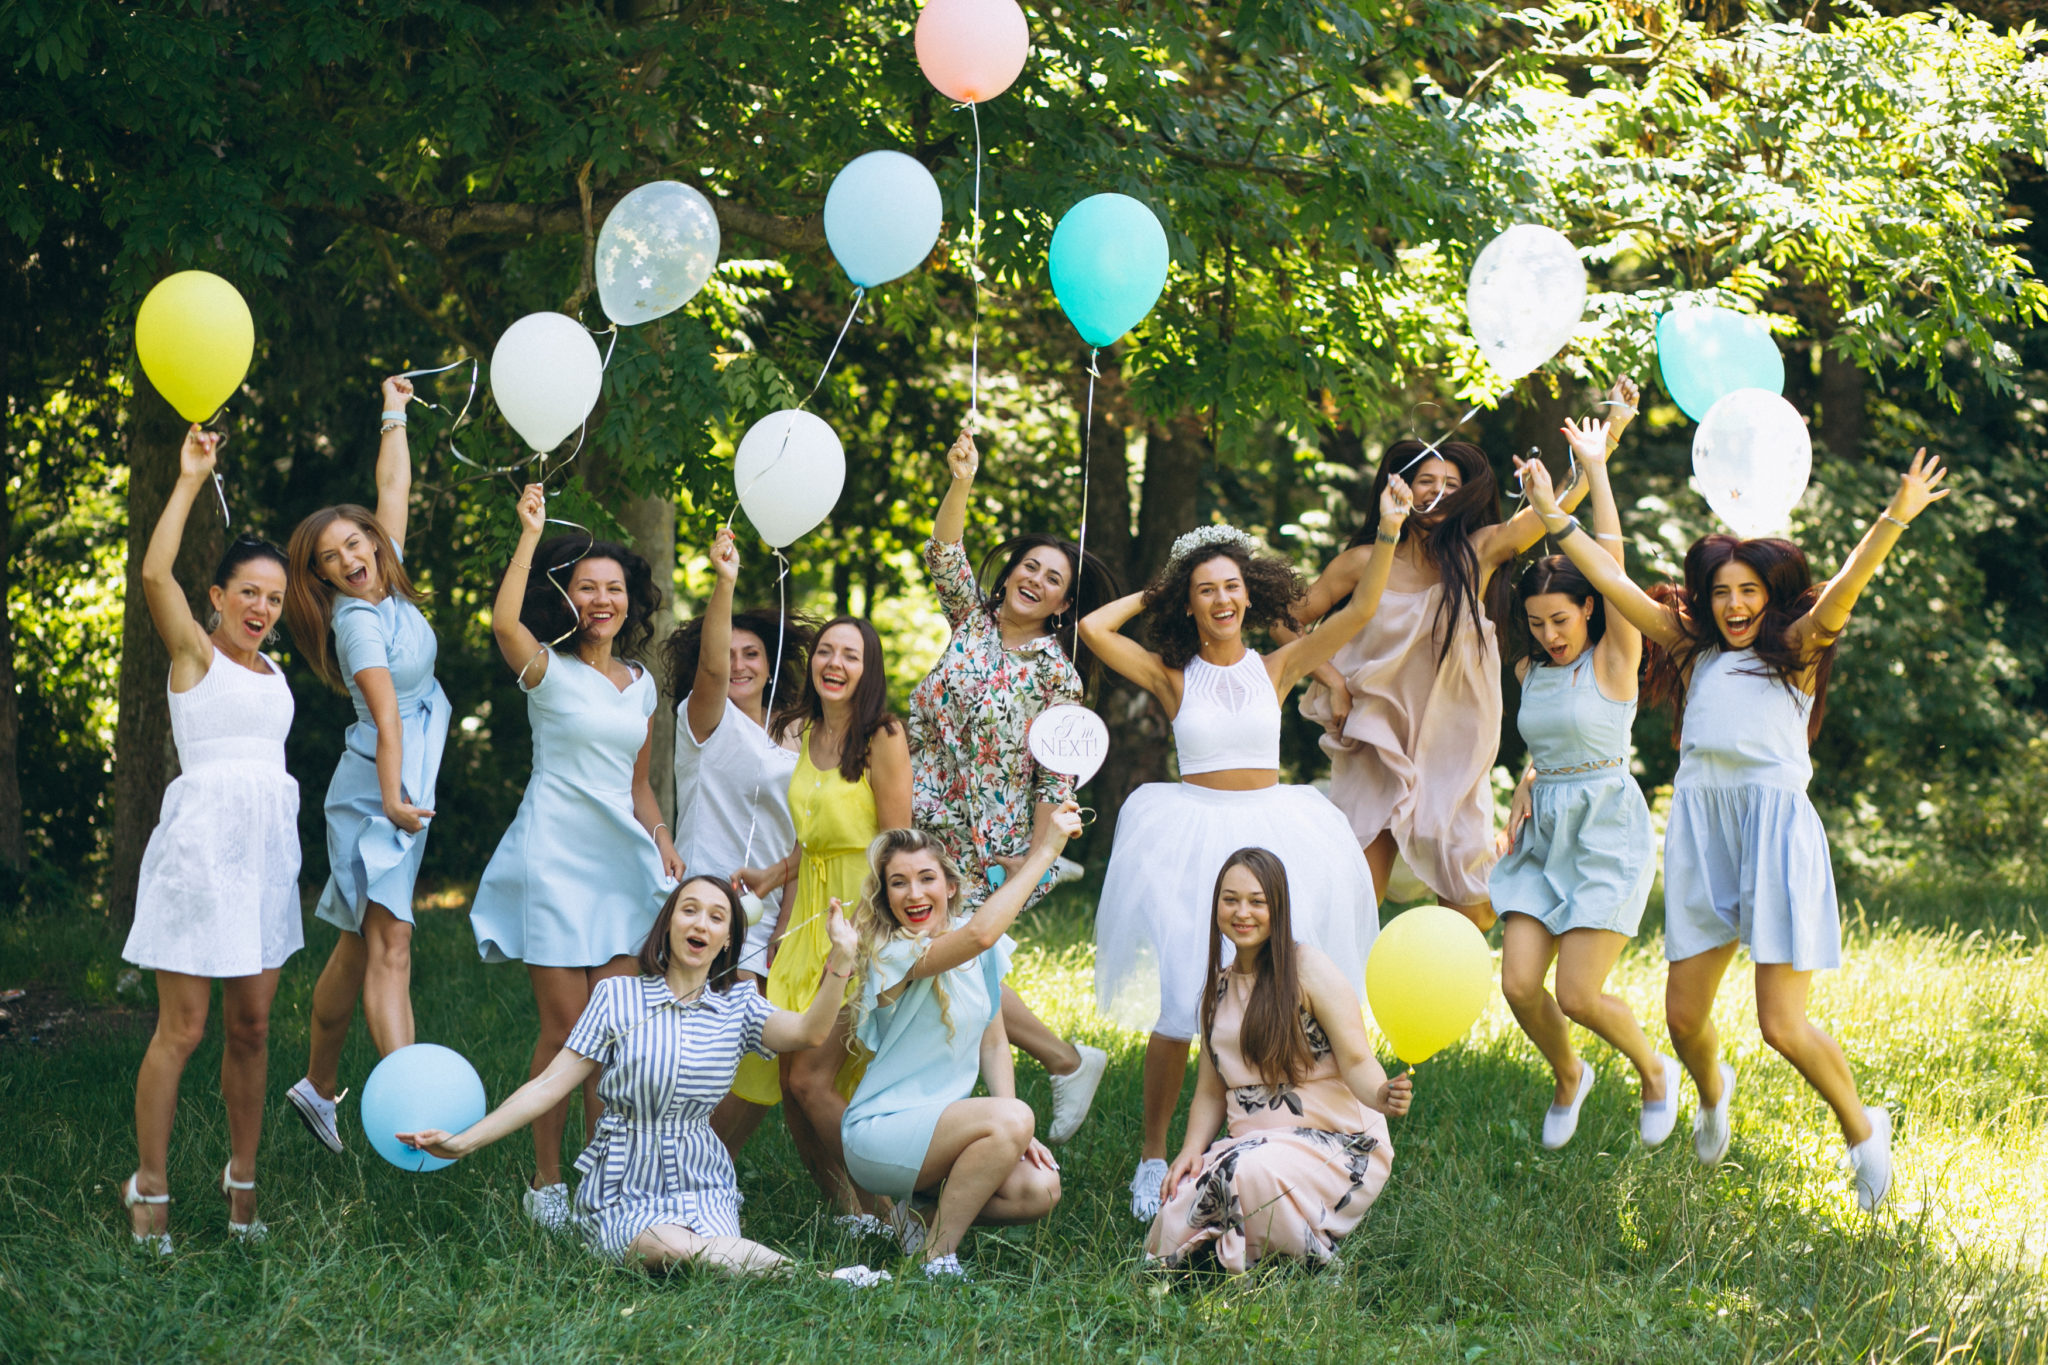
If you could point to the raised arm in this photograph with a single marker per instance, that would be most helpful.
(1102, 632)
(1655, 620)
(1619, 656)
(1496, 545)
(394, 462)
(1000, 910)
(1331, 1000)
(1816, 630)
(190, 648)
(1332, 586)
(516, 644)
(1295, 660)
(706, 706)
(962, 460)
(563, 1077)
(788, 1031)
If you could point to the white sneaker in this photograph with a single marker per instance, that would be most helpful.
(1870, 1161)
(1660, 1117)
(1711, 1130)
(945, 1267)
(1560, 1121)
(548, 1206)
(860, 1277)
(317, 1113)
(1067, 870)
(1145, 1197)
(1074, 1093)
(908, 1227)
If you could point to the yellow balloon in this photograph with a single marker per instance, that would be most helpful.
(1428, 978)
(195, 337)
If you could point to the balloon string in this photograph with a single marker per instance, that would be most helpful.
(1087, 435)
(768, 722)
(220, 489)
(859, 293)
(583, 430)
(974, 268)
(461, 417)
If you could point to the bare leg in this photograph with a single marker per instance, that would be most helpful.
(1379, 856)
(181, 1005)
(561, 994)
(1781, 1014)
(735, 1121)
(1166, 1067)
(387, 979)
(244, 1073)
(1690, 986)
(1584, 959)
(974, 1150)
(1479, 912)
(1027, 1031)
(334, 1005)
(666, 1245)
(1526, 950)
(813, 1107)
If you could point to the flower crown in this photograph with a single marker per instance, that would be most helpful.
(1202, 537)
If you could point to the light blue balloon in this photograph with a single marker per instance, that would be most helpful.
(1705, 354)
(1108, 264)
(422, 1086)
(882, 217)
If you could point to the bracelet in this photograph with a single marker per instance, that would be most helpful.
(658, 828)
(390, 427)
(522, 564)
(841, 975)
(1571, 524)
(395, 415)
(1886, 516)
(1602, 535)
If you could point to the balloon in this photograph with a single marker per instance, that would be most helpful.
(972, 49)
(1108, 264)
(195, 337)
(545, 375)
(1705, 354)
(657, 247)
(421, 1086)
(788, 472)
(1069, 739)
(882, 217)
(1427, 978)
(1751, 457)
(1524, 297)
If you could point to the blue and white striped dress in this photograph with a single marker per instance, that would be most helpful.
(655, 1160)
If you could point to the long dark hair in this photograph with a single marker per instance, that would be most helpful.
(870, 701)
(653, 955)
(1088, 589)
(1448, 543)
(546, 611)
(1273, 586)
(796, 632)
(1555, 573)
(1788, 584)
(309, 598)
(1272, 1039)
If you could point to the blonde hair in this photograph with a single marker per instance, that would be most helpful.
(874, 925)
(309, 598)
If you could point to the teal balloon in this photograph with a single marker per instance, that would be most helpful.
(882, 217)
(418, 1087)
(1108, 264)
(1705, 354)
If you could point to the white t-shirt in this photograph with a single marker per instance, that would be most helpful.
(737, 777)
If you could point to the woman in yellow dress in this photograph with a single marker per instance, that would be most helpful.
(852, 781)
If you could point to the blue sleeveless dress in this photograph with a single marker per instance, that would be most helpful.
(1586, 857)
(576, 880)
(1745, 855)
(369, 858)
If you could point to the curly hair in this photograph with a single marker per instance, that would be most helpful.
(1095, 586)
(546, 610)
(874, 925)
(796, 631)
(1272, 584)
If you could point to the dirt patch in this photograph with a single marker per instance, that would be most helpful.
(44, 1016)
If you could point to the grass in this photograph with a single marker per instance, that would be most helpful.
(1482, 1247)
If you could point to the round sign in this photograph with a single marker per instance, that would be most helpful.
(1070, 739)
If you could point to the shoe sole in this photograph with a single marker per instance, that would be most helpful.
(1056, 1138)
(314, 1126)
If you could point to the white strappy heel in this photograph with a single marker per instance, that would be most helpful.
(160, 1242)
(242, 1232)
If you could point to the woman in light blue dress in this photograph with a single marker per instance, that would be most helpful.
(348, 576)
(658, 1189)
(1744, 650)
(575, 882)
(1578, 855)
(930, 1009)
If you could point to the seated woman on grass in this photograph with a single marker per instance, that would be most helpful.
(658, 1188)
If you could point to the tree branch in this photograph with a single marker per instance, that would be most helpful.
(437, 225)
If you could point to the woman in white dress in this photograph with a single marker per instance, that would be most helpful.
(218, 896)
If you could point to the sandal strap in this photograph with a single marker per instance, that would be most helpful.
(130, 1196)
(228, 1181)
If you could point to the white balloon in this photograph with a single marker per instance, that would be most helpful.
(1751, 458)
(788, 472)
(1524, 298)
(545, 375)
(657, 247)
(1069, 739)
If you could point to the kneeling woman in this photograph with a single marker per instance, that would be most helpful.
(930, 1008)
(1287, 1069)
(658, 1189)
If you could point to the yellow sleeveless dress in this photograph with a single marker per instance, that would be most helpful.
(835, 822)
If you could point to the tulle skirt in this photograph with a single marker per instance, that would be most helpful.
(1152, 925)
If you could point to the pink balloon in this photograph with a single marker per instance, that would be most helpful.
(972, 49)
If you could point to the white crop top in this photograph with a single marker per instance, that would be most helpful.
(1228, 718)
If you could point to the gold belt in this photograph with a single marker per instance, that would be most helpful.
(1595, 766)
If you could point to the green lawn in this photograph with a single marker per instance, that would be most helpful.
(1483, 1246)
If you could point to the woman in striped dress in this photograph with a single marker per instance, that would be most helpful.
(658, 1188)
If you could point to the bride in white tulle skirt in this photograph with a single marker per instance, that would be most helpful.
(1151, 925)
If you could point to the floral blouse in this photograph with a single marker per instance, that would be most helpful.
(974, 783)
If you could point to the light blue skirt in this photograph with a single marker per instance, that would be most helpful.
(575, 882)
(370, 860)
(1750, 862)
(1585, 859)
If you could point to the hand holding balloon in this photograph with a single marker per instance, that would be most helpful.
(845, 949)
(196, 456)
(1536, 483)
(1624, 401)
(436, 1142)
(1917, 487)
(1397, 502)
(397, 393)
(533, 509)
(1397, 1094)
(963, 461)
(725, 557)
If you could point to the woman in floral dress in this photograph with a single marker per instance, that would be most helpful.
(974, 784)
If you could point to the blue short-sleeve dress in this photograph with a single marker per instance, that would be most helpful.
(576, 880)
(370, 860)
(655, 1161)
(918, 1067)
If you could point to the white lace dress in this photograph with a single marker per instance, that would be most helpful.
(219, 891)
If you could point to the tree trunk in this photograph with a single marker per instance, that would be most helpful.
(1840, 393)
(651, 522)
(13, 843)
(145, 760)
